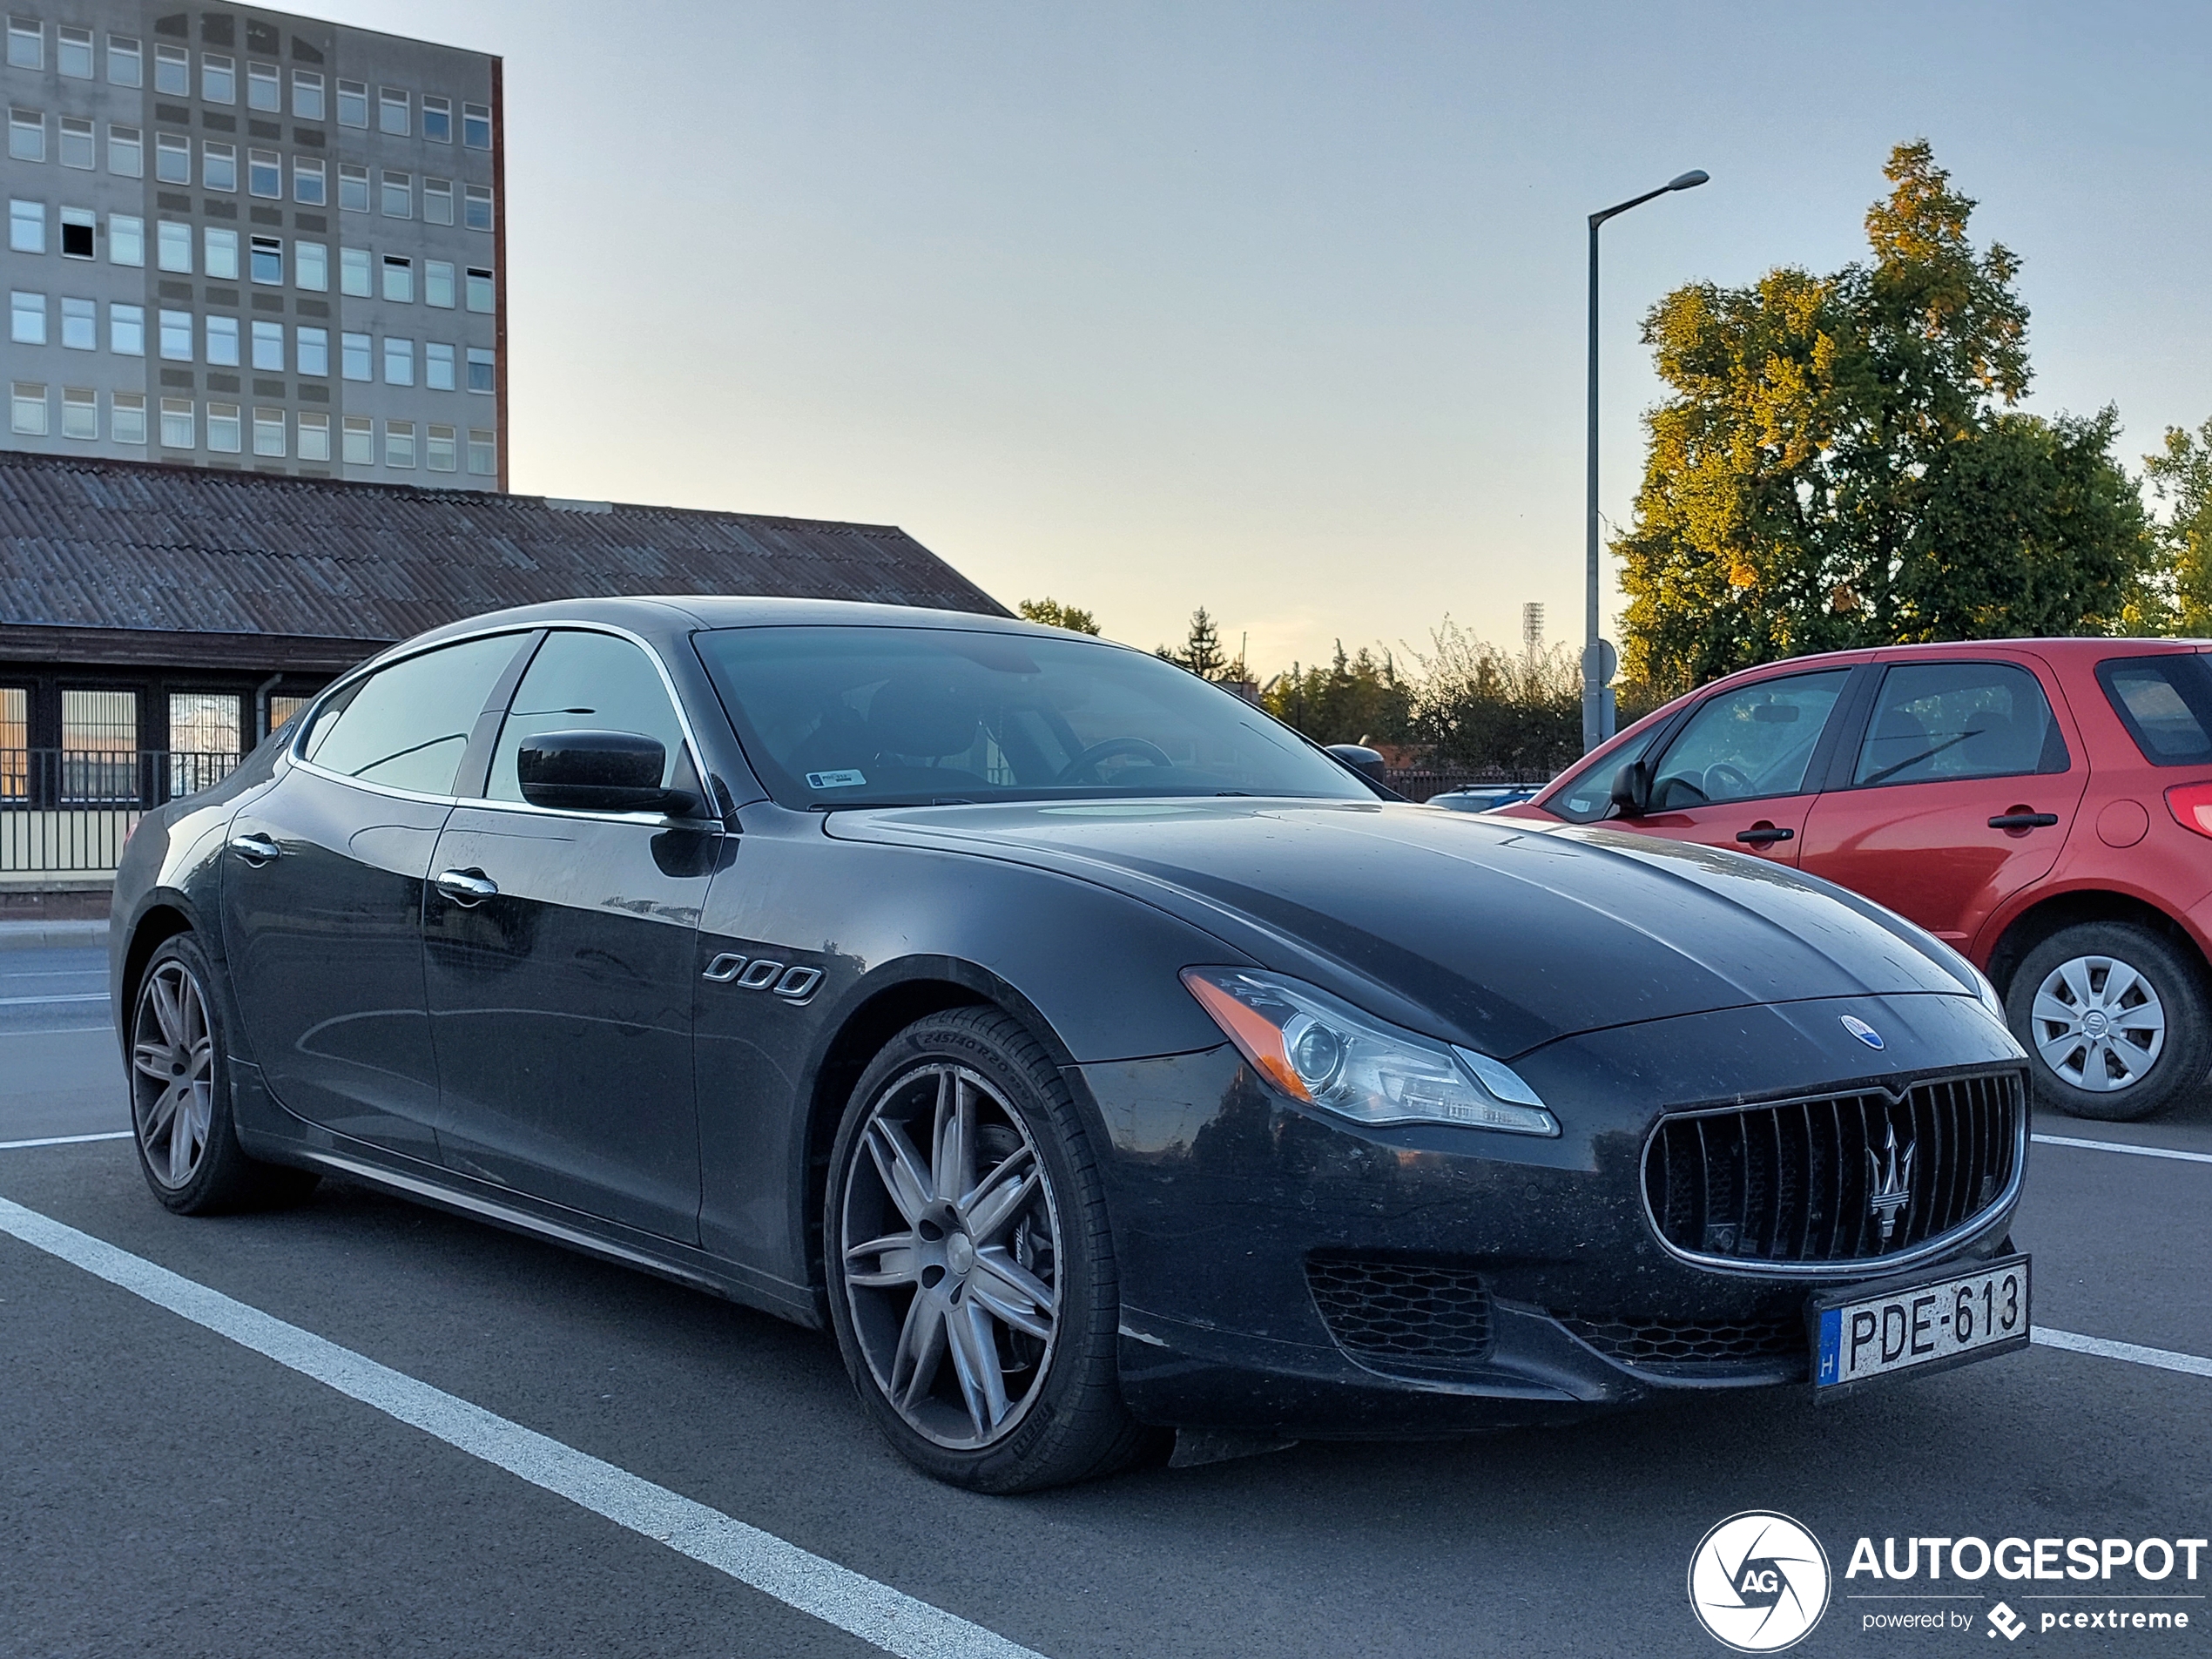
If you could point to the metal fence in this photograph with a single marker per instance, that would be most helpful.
(1418, 783)
(68, 811)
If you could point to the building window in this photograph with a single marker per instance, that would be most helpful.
(311, 267)
(176, 338)
(437, 366)
(80, 413)
(15, 742)
(264, 87)
(399, 361)
(482, 375)
(480, 289)
(314, 348)
(126, 331)
(399, 195)
(360, 437)
(74, 52)
(81, 325)
(77, 233)
(265, 174)
(475, 125)
(177, 423)
(353, 104)
(399, 280)
(126, 417)
(172, 247)
(26, 43)
(437, 119)
(172, 70)
(440, 452)
(310, 184)
(437, 283)
(126, 67)
(222, 351)
(268, 346)
(268, 432)
(202, 723)
(76, 143)
(26, 134)
(218, 253)
(479, 206)
(127, 239)
(218, 84)
(398, 444)
(266, 257)
(172, 157)
(218, 165)
(484, 453)
(353, 357)
(353, 189)
(392, 112)
(307, 95)
(26, 228)
(353, 273)
(126, 152)
(224, 436)
(27, 410)
(437, 201)
(27, 318)
(314, 445)
(100, 739)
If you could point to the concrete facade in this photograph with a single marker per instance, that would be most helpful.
(339, 187)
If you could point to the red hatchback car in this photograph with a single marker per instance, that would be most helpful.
(2043, 807)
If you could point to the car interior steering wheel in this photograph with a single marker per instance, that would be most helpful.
(1724, 782)
(1088, 759)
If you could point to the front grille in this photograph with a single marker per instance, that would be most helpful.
(1396, 1309)
(1648, 1344)
(1821, 1180)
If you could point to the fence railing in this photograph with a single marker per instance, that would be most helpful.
(68, 811)
(1418, 783)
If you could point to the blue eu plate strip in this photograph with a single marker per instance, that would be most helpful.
(1831, 1346)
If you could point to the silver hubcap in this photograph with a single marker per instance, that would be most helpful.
(950, 1252)
(173, 1074)
(2098, 1023)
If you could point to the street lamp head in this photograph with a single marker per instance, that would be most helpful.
(1689, 180)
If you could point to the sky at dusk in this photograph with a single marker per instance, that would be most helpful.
(1276, 309)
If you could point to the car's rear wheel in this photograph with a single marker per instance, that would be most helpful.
(2114, 1018)
(180, 1097)
(970, 1266)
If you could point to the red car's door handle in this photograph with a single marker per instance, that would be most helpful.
(1765, 835)
(2023, 820)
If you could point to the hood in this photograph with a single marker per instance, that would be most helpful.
(1498, 933)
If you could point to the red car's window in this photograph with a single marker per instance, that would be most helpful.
(1748, 744)
(2165, 702)
(1934, 721)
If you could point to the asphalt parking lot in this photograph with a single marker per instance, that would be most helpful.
(165, 1488)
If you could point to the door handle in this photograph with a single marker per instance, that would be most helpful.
(1765, 835)
(2023, 820)
(466, 887)
(256, 850)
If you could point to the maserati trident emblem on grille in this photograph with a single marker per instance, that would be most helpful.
(1889, 1184)
(1865, 1033)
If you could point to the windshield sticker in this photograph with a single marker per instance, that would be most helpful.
(834, 780)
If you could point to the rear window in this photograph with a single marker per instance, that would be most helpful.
(2166, 704)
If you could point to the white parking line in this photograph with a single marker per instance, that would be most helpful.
(2122, 1146)
(890, 1619)
(65, 1140)
(2134, 1353)
(31, 1002)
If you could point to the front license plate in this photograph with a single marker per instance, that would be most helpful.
(1861, 1336)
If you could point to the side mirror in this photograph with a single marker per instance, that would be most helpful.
(1363, 760)
(1632, 789)
(598, 771)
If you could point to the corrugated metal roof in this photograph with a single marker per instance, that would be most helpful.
(139, 546)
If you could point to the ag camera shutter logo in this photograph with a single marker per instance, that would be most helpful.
(1758, 1582)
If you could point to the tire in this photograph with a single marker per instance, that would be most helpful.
(980, 1329)
(2114, 1020)
(181, 1095)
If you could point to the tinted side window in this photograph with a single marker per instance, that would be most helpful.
(1938, 720)
(407, 726)
(1748, 744)
(580, 682)
(2165, 702)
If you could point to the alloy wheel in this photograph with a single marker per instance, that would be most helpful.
(949, 1256)
(173, 1074)
(2098, 1023)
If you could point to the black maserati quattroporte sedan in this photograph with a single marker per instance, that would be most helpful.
(1096, 1056)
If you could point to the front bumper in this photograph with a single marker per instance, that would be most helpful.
(1282, 1269)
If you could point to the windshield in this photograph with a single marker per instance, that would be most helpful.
(871, 716)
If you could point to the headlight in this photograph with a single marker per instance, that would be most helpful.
(1324, 1051)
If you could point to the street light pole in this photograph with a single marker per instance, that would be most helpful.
(1595, 672)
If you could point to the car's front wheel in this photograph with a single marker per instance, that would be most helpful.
(971, 1269)
(2115, 1018)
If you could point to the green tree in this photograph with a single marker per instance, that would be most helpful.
(1357, 699)
(1839, 464)
(1053, 614)
(1474, 704)
(2181, 476)
(1201, 653)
